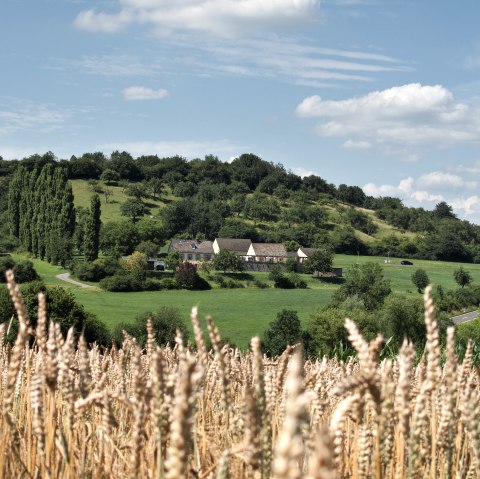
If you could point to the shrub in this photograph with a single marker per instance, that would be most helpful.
(122, 283)
(96, 270)
(152, 284)
(5, 264)
(166, 321)
(187, 277)
(169, 283)
(25, 272)
(260, 284)
(283, 331)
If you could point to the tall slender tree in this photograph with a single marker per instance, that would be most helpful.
(92, 230)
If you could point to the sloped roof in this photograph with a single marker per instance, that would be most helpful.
(269, 249)
(237, 245)
(192, 246)
(308, 251)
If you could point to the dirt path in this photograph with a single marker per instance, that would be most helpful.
(66, 277)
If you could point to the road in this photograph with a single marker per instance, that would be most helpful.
(66, 277)
(464, 318)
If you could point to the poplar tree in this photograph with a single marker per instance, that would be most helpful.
(92, 230)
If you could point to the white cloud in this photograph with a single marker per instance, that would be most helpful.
(219, 17)
(357, 145)
(303, 172)
(107, 65)
(411, 114)
(17, 115)
(224, 149)
(143, 93)
(429, 189)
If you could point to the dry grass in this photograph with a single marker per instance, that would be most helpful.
(69, 411)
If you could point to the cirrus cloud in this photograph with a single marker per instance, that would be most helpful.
(144, 93)
(219, 17)
(408, 115)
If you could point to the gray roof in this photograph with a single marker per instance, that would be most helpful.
(191, 246)
(270, 249)
(308, 251)
(237, 245)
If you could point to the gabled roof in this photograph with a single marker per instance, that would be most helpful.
(192, 246)
(237, 245)
(269, 249)
(307, 251)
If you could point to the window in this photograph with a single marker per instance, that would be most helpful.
(208, 257)
(189, 256)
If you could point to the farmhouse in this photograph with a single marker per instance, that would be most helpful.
(239, 246)
(192, 250)
(267, 253)
(304, 253)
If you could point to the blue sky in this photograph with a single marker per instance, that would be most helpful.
(380, 94)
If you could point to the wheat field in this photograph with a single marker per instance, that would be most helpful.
(74, 411)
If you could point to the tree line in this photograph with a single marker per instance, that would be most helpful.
(254, 198)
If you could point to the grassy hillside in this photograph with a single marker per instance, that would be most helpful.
(335, 210)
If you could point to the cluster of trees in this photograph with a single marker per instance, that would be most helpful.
(41, 212)
(253, 198)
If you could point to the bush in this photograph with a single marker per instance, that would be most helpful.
(5, 264)
(260, 284)
(122, 283)
(25, 272)
(297, 281)
(95, 331)
(96, 270)
(152, 284)
(169, 283)
(187, 277)
(283, 331)
(166, 321)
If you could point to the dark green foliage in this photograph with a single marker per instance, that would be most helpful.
(285, 330)
(125, 166)
(360, 221)
(462, 277)
(227, 260)
(187, 277)
(367, 283)
(6, 263)
(134, 209)
(320, 261)
(110, 177)
(122, 283)
(96, 270)
(401, 318)
(326, 333)
(420, 279)
(25, 272)
(119, 238)
(62, 308)
(165, 320)
(173, 260)
(94, 331)
(91, 241)
(148, 248)
(279, 279)
(41, 213)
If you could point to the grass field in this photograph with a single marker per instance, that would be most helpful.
(110, 210)
(243, 313)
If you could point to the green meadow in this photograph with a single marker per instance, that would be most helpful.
(243, 313)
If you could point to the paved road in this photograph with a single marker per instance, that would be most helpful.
(66, 277)
(463, 318)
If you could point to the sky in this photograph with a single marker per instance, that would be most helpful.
(380, 94)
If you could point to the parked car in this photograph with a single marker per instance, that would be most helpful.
(406, 263)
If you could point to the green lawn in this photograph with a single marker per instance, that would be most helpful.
(238, 313)
(243, 313)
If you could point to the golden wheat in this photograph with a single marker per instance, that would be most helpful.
(70, 410)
